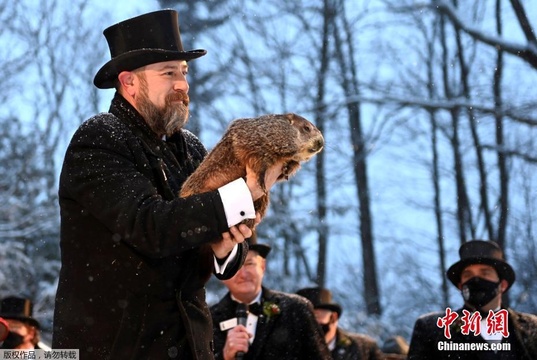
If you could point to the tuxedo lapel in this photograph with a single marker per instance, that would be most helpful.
(224, 310)
(264, 327)
(228, 308)
(456, 332)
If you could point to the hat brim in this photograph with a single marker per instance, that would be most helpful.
(332, 307)
(107, 74)
(505, 271)
(261, 249)
(24, 319)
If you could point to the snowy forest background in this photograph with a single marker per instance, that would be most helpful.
(428, 110)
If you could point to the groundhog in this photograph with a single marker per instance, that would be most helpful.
(259, 143)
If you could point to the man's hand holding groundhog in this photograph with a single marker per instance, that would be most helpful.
(271, 176)
(241, 232)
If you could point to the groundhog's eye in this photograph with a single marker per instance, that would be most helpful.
(307, 128)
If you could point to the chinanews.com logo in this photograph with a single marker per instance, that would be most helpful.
(454, 346)
(470, 323)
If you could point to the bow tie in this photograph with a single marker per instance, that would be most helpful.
(255, 308)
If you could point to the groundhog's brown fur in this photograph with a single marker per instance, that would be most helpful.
(259, 143)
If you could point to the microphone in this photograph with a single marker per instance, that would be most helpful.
(242, 316)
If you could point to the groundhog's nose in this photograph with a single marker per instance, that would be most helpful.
(317, 145)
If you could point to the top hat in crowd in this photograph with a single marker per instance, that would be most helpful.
(321, 298)
(16, 308)
(261, 249)
(146, 39)
(481, 252)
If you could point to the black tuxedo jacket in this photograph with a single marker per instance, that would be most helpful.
(132, 280)
(351, 346)
(426, 336)
(292, 334)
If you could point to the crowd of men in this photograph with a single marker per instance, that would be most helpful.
(254, 322)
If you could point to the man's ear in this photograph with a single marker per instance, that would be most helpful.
(32, 332)
(126, 81)
(334, 317)
(503, 285)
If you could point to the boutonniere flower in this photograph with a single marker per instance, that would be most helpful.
(344, 341)
(456, 326)
(271, 309)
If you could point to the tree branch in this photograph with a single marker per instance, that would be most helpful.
(527, 52)
(427, 104)
(524, 22)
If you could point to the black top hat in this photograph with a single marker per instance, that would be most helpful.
(16, 308)
(146, 39)
(321, 298)
(261, 249)
(481, 252)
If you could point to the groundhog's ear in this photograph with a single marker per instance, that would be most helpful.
(290, 117)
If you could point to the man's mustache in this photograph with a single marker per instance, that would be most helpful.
(179, 96)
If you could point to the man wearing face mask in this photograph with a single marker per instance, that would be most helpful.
(342, 345)
(23, 328)
(482, 276)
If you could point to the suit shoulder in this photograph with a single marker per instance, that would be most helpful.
(431, 316)
(361, 338)
(524, 318)
(291, 304)
(101, 120)
(103, 125)
(291, 299)
(104, 131)
(362, 343)
(197, 149)
(427, 323)
(190, 137)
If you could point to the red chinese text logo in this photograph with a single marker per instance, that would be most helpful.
(471, 322)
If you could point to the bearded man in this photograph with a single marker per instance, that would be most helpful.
(135, 257)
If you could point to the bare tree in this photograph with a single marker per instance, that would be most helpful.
(503, 180)
(40, 104)
(527, 52)
(344, 54)
(320, 116)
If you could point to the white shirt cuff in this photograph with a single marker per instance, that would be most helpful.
(237, 200)
(220, 269)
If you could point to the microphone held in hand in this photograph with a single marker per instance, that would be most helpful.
(242, 316)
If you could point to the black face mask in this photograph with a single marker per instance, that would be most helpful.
(479, 292)
(12, 341)
(325, 328)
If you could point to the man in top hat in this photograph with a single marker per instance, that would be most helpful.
(135, 257)
(342, 345)
(22, 331)
(275, 325)
(482, 328)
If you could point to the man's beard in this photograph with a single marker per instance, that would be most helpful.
(165, 120)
